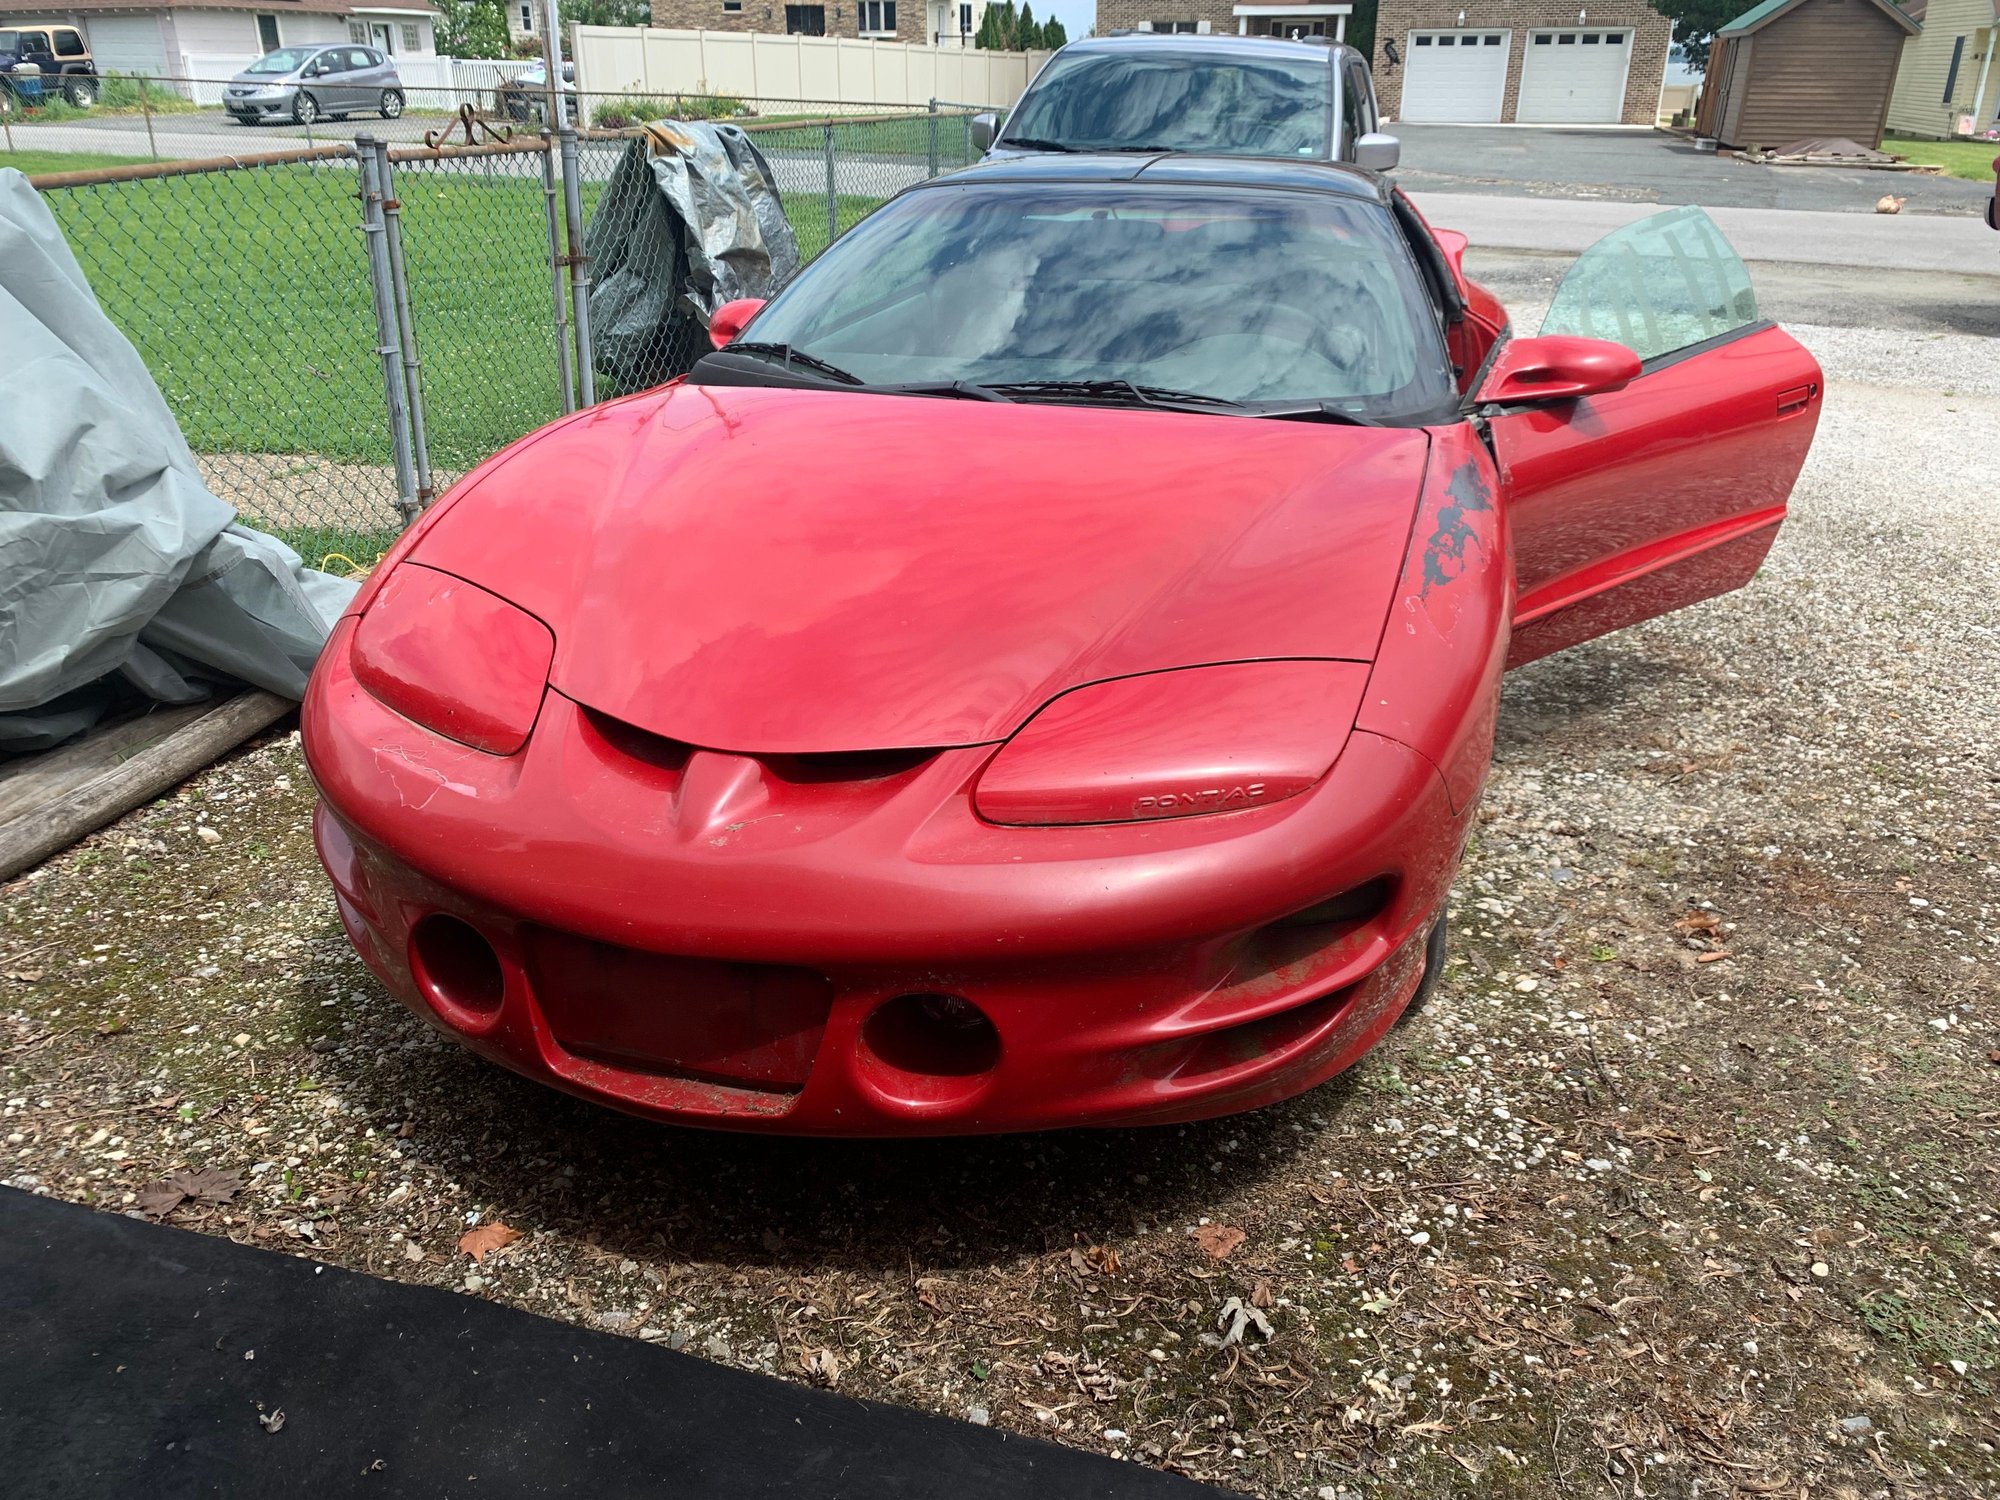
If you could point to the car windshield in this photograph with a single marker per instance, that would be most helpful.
(1234, 295)
(284, 60)
(1233, 106)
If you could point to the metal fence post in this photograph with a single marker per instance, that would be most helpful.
(406, 325)
(387, 343)
(933, 124)
(553, 212)
(579, 266)
(832, 191)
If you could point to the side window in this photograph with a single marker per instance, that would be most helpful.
(1658, 286)
(35, 44)
(1364, 100)
(1353, 113)
(68, 43)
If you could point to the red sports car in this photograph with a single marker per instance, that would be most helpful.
(1041, 672)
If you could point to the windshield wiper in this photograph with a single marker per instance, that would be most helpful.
(963, 390)
(1144, 395)
(1315, 411)
(791, 356)
(1034, 143)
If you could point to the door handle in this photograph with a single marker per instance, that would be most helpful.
(1797, 399)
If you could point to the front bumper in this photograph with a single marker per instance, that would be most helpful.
(676, 942)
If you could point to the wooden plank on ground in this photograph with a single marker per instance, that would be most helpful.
(48, 802)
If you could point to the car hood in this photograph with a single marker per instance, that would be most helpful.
(793, 571)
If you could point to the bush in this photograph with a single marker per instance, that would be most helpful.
(118, 92)
(622, 114)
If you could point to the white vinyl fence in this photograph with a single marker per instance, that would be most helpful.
(754, 66)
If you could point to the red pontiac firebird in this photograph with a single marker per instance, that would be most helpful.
(1041, 669)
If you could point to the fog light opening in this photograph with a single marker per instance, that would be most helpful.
(940, 1036)
(457, 969)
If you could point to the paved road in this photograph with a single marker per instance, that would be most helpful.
(1903, 241)
(1651, 166)
(1915, 306)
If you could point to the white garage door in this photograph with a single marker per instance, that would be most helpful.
(1454, 76)
(1574, 77)
(127, 44)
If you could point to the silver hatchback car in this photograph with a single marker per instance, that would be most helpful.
(303, 84)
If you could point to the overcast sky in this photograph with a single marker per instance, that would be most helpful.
(1077, 16)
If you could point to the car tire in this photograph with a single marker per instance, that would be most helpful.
(305, 108)
(1434, 952)
(81, 92)
(392, 104)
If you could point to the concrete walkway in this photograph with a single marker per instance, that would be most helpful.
(1899, 242)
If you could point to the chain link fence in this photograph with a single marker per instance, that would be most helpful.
(344, 329)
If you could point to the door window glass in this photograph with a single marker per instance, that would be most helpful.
(68, 43)
(1657, 286)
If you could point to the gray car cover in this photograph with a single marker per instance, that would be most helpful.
(691, 219)
(121, 575)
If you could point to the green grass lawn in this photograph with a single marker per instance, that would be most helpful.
(37, 162)
(1969, 159)
(247, 294)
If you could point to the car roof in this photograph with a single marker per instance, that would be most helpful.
(1212, 44)
(1307, 174)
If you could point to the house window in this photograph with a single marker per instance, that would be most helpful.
(357, 31)
(267, 33)
(411, 40)
(528, 16)
(1182, 28)
(805, 20)
(965, 20)
(876, 16)
(732, 4)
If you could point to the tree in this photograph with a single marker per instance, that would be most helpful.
(607, 12)
(1054, 34)
(1026, 34)
(987, 37)
(1361, 28)
(1696, 23)
(471, 28)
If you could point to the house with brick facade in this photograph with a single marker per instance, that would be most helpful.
(1224, 16)
(935, 23)
(1542, 62)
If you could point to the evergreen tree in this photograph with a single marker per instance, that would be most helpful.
(987, 38)
(1054, 34)
(1028, 34)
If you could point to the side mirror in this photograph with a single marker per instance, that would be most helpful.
(731, 319)
(1557, 368)
(984, 128)
(1377, 152)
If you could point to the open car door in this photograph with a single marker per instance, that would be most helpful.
(1633, 502)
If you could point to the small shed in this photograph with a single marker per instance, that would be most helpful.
(1789, 70)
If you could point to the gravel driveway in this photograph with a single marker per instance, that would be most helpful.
(1684, 1183)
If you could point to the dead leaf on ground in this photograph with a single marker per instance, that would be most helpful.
(1711, 957)
(1698, 921)
(823, 1365)
(1236, 1316)
(1260, 1295)
(211, 1187)
(1217, 1240)
(486, 1239)
(271, 1421)
(25, 976)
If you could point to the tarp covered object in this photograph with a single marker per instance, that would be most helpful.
(121, 575)
(690, 220)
